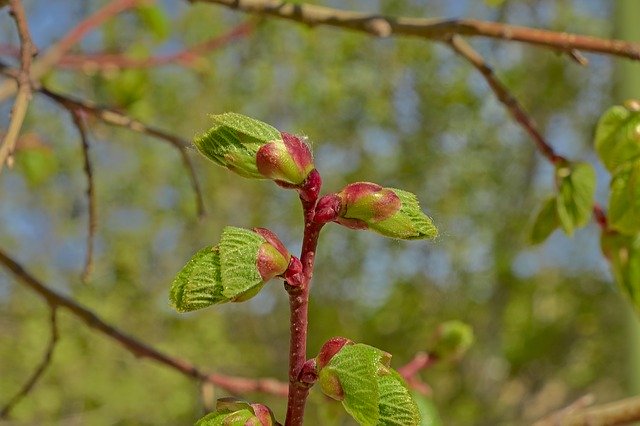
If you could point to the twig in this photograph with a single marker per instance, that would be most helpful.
(91, 196)
(73, 36)
(183, 57)
(236, 385)
(501, 92)
(579, 413)
(23, 81)
(434, 29)
(40, 369)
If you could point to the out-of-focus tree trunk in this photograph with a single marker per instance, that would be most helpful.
(628, 86)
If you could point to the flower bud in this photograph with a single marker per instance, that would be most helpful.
(273, 257)
(391, 212)
(254, 149)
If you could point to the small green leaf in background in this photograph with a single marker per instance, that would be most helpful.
(35, 159)
(545, 223)
(623, 253)
(198, 284)
(428, 410)
(576, 192)
(624, 201)
(397, 407)
(451, 340)
(154, 19)
(617, 138)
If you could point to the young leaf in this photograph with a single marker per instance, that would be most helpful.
(410, 223)
(545, 223)
(154, 19)
(236, 418)
(623, 253)
(355, 370)
(238, 263)
(235, 412)
(576, 192)
(624, 201)
(617, 138)
(198, 284)
(247, 126)
(396, 406)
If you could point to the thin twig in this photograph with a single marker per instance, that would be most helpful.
(434, 29)
(40, 369)
(505, 97)
(73, 36)
(580, 413)
(236, 385)
(91, 195)
(23, 82)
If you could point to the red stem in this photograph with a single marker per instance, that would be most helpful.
(299, 303)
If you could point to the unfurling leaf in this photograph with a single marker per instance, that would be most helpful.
(235, 412)
(233, 271)
(623, 253)
(364, 205)
(371, 392)
(624, 201)
(617, 138)
(576, 192)
(545, 223)
(254, 149)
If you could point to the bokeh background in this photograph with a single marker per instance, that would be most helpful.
(549, 324)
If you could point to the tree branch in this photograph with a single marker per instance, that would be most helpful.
(40, 369)
(91, 196)
(620, 412)
(434, 29)
(231, 384)
(23, 82)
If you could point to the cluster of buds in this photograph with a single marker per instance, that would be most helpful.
(254, 149)
(364, 205)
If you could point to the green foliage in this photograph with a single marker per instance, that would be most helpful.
(410, 223)
(154, 19)
(617, 138)
(576, 191)
(545, 222)
(624, 201)
(37, 163)
(199, 283)
(428, 410)
(623, 253)
(371, 392)
(451, 340)
(234, 418)
(238, 263)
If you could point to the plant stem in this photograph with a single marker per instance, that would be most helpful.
(299, 304)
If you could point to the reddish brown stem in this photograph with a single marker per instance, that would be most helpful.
(299, 303)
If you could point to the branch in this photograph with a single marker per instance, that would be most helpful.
(434, 29)
(40, 369)
(19, 110)
(91, 196)
(137, 348)
(464, 49)
(579, 414)
(73, 36)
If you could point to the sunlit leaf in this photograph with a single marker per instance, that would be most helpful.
(545, 223)
(397, 407)
(624, 201)
(617, 138)
(576, 192)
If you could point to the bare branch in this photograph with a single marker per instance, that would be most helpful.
(580, 414)
(231, 384)
(434, 29)
(73, 36)
(91, 196)
(23, 82)
(40, 369)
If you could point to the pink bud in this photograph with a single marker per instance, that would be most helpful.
(293, 275)
(287, 161)
(368, 202)
(327, 209)
(263, 413)
(311, 186)
(272, 239)
(329, 349)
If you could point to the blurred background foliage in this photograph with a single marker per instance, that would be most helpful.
(406, 113)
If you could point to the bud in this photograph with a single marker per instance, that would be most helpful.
(329, 349)
(451, 340)
(330, 384)
(273, 257)
(232, 411)
(254, 149)
(391, 212)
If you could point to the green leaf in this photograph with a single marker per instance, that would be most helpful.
(396, 405)
(451, 340)
(624, 201)
(409, 223)
(154, 19)
(576, 192)
(617, 138)
(356, 368)
(248, 126)
(236, 418)
(623, 253)
(546, 222)
(198, 284)
(37, 163)
(428, 410)
(238, 263)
